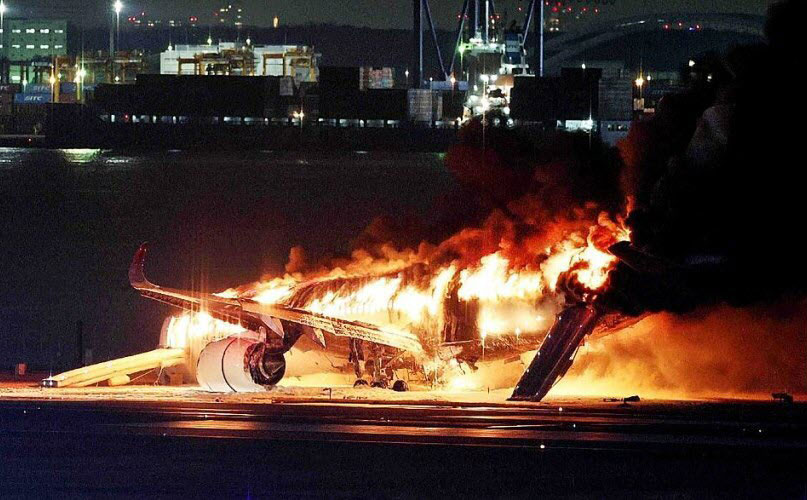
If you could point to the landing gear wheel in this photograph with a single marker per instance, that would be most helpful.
(274, 367)
(361, 383)
(381, 384)
(400, 386)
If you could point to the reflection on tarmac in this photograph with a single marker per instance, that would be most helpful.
(210, 445)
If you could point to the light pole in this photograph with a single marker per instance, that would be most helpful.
(640, 84)
(113, 49)
(118, 7)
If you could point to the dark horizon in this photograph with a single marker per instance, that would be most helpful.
(383, 14)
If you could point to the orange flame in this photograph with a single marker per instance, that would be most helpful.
(509, 298)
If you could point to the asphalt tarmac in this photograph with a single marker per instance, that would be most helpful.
(394, 449)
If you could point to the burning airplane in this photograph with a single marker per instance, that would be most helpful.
(423, 317)
(710, 194)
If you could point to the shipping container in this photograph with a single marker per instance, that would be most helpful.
(30, 98)
(572, 96)
(68, 88)
(10, 88)
(339, 79)
(376, 78)
(38, 88)
(287, 86)
(68, 98)
(453, 104)
(425, 105)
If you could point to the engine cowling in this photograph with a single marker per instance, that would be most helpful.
(239, 364)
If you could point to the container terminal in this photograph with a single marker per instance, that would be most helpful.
(517, 71)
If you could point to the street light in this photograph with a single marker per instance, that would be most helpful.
(299, 115)
(118, 7)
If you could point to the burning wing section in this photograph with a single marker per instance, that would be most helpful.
(259, 318)
(247, 361)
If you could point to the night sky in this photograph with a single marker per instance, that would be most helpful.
(373, 13)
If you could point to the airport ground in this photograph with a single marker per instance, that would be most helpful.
(179, 441)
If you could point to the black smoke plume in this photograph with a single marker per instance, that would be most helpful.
(718, 181)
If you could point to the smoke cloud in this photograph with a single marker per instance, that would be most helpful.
(717, 183)
(716, 351)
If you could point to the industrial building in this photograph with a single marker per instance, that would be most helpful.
(29, 39)
(241, 59)
(30, 44)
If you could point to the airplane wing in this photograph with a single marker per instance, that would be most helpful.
(263, 317)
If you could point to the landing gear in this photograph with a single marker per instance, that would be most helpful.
(380, 383)
(400, 386)
(378, 365)
(357, 356)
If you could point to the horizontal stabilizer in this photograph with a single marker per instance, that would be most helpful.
(102, 372)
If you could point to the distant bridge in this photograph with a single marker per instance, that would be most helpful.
(567, 46)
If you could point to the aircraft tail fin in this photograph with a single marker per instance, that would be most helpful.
(137, 276)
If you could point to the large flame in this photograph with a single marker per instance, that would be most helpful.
(506, 295)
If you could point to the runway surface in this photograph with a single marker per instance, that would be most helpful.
(314, 446)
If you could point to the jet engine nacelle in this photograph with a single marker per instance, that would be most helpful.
(239, 364)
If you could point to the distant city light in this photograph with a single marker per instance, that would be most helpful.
(691, 63)
(276, 22)
(583, 65)
(640, 82)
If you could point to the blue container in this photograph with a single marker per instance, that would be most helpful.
(68, 87)
(33, 98)
(446, 86)
(38, 88)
